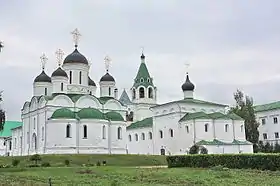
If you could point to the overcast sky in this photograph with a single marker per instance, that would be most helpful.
(229, 44)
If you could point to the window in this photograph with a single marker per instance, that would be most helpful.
(10, 145)
(264, 135)
(27, 137)
(141, 80)
(206, 127)
(263, 121)
(70, 77)
(46, 91)
(43, 133)
(129, 137)
(109, 91)
(241, 128)
(143, 136)
(141, 92)
(171, 133)
(68, 131)
(226, 128)
(15, 143)
(133, 94)
(61, 86)
(136, 137)
(90, 93)
(85, 131)
(160, 134)
(104, 132)
(20, 141)
(275, 120)
(148, 80)
(150, 92)
(150, 135)
(276, 134)
(80, 77)
(119, 133)
(34, 123)
(187, 129)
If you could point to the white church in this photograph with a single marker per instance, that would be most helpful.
(65, 116)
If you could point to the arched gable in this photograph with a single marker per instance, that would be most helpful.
(62, 101)
(113, 104)
(42, 102)
(33, 103)
(88, 101)
(25, 107)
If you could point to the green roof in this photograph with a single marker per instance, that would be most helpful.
(194, 101)
(124, 99)
(268, 106)
(218, 142)
(90, 113)
(114, 116)
(8, 126)
(214, 115)
(63, 113)
(145, 123)
(143, 73)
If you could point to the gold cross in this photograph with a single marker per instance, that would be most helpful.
(44, 60)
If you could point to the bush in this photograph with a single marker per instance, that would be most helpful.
(35, 158)
(15, 162)
(98, 163)
(67, 162)
(203, 150)
(194, 149)
(234, 161)
(45, 164)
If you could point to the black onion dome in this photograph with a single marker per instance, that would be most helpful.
(59, 72)
(76, 57)
(91, 82)
(43, 77)
(188, 85)
(107, 77)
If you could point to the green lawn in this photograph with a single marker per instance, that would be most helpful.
(113, 175)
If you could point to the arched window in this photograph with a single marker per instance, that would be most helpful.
(148, 80)
(68, 131)
(119, 133)
(133, 93)
(109, 91)
(129, 137)
(171, 133)
(80, 77)
(90, 93)
(160, 134)
(141, 92)
(136, 137)
(206, 127)
(46, 91)
(61, 86)
(70, 77)
(34, 141)
(34, 123)
(10, 145)
(151, 92)
(27, 137)
(85, 131)
(43, 133)
(150, 135)
(141, 80)
(241, 128)
(104, 132)
(187, 129)
(143, 136)
(226, 128)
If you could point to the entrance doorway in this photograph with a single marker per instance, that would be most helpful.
(162, 151)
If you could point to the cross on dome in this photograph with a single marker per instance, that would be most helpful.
(59, 56)
(107, 61)
(76, 37)
(187, 67)
(44, 60)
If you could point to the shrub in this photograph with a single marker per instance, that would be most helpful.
(203, 150)
(98, 163)
(194, 149)
(67, 162)
(104, 162)
(35, 158)
(234, 161)
(45, 164)
(276, 148)
(15, 162)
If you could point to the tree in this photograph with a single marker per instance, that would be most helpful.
(203, 150)
(35, 158)
(194, 149)
(2, 114)
(276, 148)
(268, 148)
(244, 108)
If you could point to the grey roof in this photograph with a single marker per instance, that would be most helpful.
(59, 72)
(107, 77)
(124, 99)
(76, 57)
(188, 85)
(43, 77)
(91, 82)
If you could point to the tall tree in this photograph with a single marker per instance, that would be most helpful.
(244, 108)
(2, 114)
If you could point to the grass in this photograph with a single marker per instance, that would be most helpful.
(119, 176)
(85, 159)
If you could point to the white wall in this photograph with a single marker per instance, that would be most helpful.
(17, 142)
(140, 146)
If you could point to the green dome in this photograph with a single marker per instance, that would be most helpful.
(114, 116)
(90, 113)
(63, 113)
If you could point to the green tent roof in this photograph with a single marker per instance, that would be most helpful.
(8, 126)
(148, 122)
(90, 113)
(63, 113)
(114, 116)
(144, 74)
